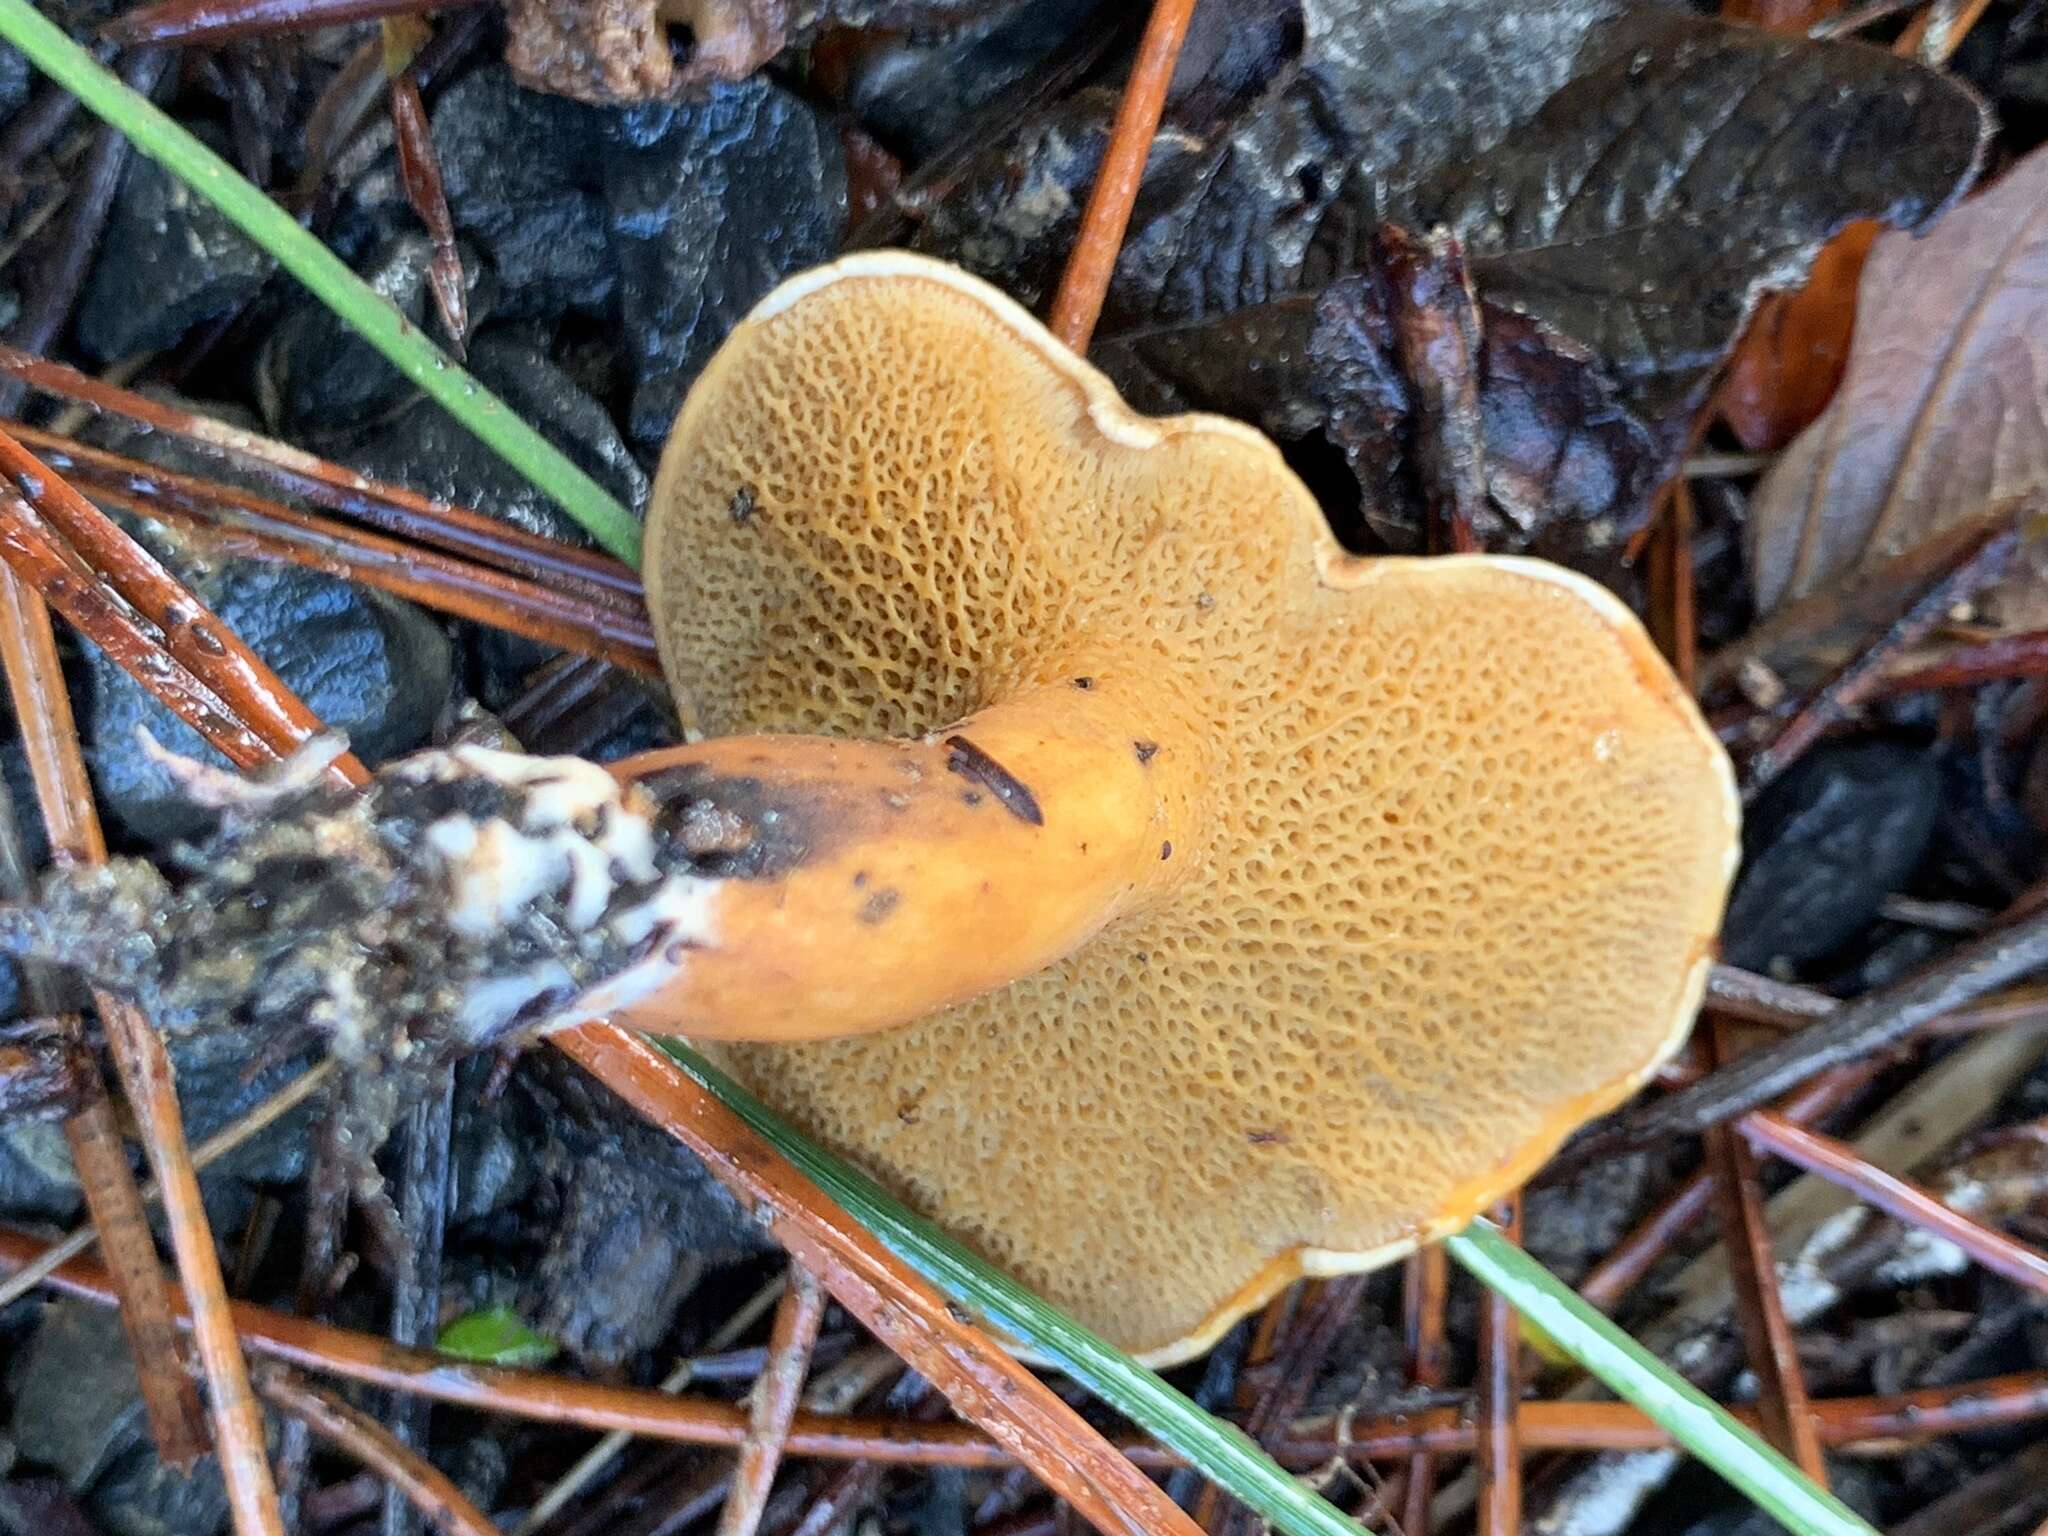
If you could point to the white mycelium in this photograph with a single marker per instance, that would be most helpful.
(571, 825)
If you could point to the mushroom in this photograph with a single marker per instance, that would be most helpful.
(1284, 909)
(1246, 909)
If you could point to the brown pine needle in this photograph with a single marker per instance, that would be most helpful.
(43, 711)
(1085, 284)
(774, 1402)
(431, 1491)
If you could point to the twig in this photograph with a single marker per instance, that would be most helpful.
(565, 613)
(977, 1377)
(1773, 1353)
(177, 1422)
(1869, 1024)
(1857, 17)
(32, 130)
(1426, 1287)
(193, 634)
(1937, 32)
(43, 711)
(1671, 579)
(1909, 1202)
(426, 1488)
(1500, 1399)
(420, 172)
(1085, 284)
(244, 525)
(1984, 561)
(34, 553)
(292, 472)
(1629, 1260)
(774, 1402)
(601, 1455)
(1909, 1418)
(215, 1147)
(1319, 1316)
(1968, 666)
(416, 1286)
(329, 279)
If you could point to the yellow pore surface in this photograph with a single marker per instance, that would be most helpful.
(1466, 840)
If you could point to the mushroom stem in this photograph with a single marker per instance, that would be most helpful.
(868, 883)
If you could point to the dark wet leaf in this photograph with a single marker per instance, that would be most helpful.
(1627, 182)
(1833, 838)
(1568, 468)
(1941, 414)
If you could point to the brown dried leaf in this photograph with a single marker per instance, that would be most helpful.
(1793, 355)
(1942, 413)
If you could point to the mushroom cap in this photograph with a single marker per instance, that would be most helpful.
(1468, 839)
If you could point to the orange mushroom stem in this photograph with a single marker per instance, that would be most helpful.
(882, 881)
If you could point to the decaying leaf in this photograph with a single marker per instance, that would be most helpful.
(1567, 467)
(1942, 413)
(1796, 348)
(1626, 181)
(613, 52)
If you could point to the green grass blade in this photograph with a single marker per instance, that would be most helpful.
(1694, 1420)
(1218, 1450)
(367, 313)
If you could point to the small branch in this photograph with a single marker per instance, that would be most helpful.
(1909, 1418)
(211, 21)
(419, 170)
(1630, 1259)
(43, 711)
(293, 472)
(601, 1455)
(1759, 1305)
(1500, 1399)
(1854, 1030)
(569, 614)
(192, 633)
(1671, 584)
(54, 293)
(177, 1419)
(424, 1486)
(905, 1313)
(1425, 1289)
(774, 1402)
(416, 1287)
(216, 1146)
(237, 1422)
(35, 554)
(1911, 1203)
(1085, 284)
(324, 274)
(1983, 562)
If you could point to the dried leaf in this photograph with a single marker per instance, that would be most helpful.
(1796, 348)
(1942, 413)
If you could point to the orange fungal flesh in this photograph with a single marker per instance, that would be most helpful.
(1448, 842)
